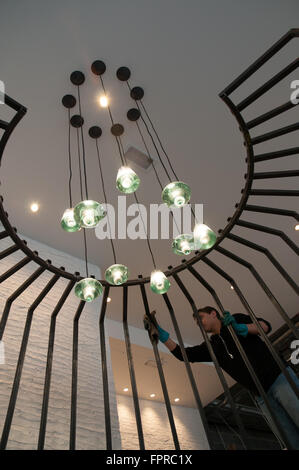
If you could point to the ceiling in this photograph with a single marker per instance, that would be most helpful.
(183, 54)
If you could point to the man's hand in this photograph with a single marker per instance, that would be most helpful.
(240, 328)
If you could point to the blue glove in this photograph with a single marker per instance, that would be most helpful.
(240, 328)
(163, 335)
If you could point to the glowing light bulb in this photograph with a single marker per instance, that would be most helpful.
(117, 274)
(183, 244)
(127, 181)
(176, 194)
(204, 237)
(297, 227)
(68, 222)
(159, 283)
(152, 395)
(176, 399)
(104, 101)
(89, 213)
(126, 389)
(88, 289)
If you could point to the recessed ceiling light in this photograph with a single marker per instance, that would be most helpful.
(108, 299)
(103, 101)
(297, 227)
(34, 207)
(126, 389)
(232, 287)
(176, 399)
(152, 395)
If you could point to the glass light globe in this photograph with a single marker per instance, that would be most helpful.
(176, 194)
(88, 289)
(159, 282)
(68, 221)
(204, 237)
(89, 213)
(117, 274)
(127, 181)
(183, 244)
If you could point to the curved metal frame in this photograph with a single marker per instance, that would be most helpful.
(186, 265)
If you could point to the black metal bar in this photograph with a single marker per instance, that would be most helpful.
(241, 350)
(270, 114)
(75, 376)
(4, 234)
(8, 251)
(13, 123)
(17, 379)
(269, 255)
(268, 85)
(3, 124)
(263, 285)
(161, 375)
(131, 369)
(105, 371)
(16, 294)
(189, 370)
(272, 155)
(273, 134)
(13, 103)
(275, 174)
(209, 346)
(272, 231)
(292, 33)
(272, 210)
(274, 192)
(14, 269)
(44, 413)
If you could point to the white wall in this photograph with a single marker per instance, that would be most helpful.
(156, 429)
(90, 406)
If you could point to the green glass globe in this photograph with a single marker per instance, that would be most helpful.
(117, 274)
(127, 181)
(88, 289)
(176, 194)
(89, 213)
(68, 221)
(159, 282)
(183, 244)
(204, 237)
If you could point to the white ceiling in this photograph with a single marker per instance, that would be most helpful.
(183, 54)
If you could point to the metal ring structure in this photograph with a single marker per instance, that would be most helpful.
(173, 272)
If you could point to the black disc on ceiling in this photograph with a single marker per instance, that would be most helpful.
(137, 93)
(133, 114)
(123, 74)
(77, 77)
(98, 67)
(95, 132)
(69, 101)
(117, 130)
(77, 121)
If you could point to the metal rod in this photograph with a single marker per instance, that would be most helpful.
(210, 348)
(189, 370)
(268, 85)
(14, 269)
(272, 231)
(4, 124)
(280, 153)
(4, 234)
(8, 251)
(274, 192)
(44, 413)
(263, 285)
(275, 174)
(244, 356)
(105, 371)
(269, 255)
(272, 210)
(292, 33)
(270, 114)
(161, 375)
(132, 370)
(273, 134)
(75, 376)
(16, 294)
(18, 373)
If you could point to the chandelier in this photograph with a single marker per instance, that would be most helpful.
(88, 213)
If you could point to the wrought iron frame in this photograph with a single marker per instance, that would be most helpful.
(173, 272)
